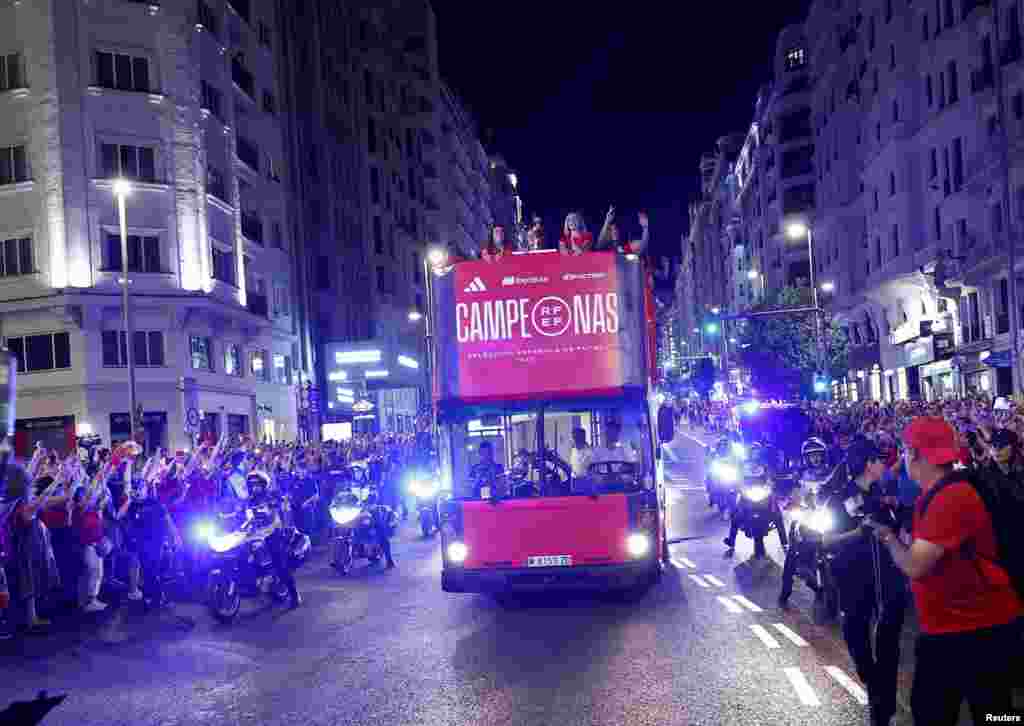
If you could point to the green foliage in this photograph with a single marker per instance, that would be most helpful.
(781, 351)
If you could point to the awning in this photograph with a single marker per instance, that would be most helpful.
(999, 359)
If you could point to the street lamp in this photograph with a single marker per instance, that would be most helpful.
(828, 286)
(415, 316)
(436, 256)
(716, 310)
(122, 189)
(795, 230)
(711, 328)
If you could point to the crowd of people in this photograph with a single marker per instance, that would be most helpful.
(71, 524)
(929, 501)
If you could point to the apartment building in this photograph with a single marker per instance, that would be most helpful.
(180, 99)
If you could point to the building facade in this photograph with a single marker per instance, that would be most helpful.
(180, 98)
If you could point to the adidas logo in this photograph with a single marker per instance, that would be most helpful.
(476, 286)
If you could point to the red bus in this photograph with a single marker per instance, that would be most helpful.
(532, 355)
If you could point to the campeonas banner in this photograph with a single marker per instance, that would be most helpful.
(537, 325)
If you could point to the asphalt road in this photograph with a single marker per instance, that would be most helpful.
(707, 646)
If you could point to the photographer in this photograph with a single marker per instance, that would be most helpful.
(869, 583)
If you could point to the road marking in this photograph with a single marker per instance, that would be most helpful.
(714, 580)
(791, 636)
(751, 606)
(803, 689)
(681, 561)
(730, 605)
(851, 686)
(765, 637)
(699, 581)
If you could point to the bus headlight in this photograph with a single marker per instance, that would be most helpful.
(457, 552)
(638, 545)
(757, 494)
(821, 521)
(724, 472)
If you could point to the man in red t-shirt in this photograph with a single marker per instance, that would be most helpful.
(971, 617)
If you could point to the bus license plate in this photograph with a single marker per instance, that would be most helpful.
(549, 561)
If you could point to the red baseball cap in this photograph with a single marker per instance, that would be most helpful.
(934, 439)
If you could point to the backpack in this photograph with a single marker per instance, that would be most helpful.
(1004, 500)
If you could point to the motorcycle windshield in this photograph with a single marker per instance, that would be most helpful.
(555, 531)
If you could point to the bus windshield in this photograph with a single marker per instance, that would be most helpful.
(550, 451)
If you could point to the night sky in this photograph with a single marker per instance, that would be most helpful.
(610, 103)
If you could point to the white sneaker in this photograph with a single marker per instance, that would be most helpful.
(94, 606)
(135, 595)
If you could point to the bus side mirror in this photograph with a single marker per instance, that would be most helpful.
(666, 424)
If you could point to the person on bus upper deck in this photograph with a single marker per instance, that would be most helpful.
(613, 449)
(575, 238)
(610, 237)
(581, 455)
(493, 249)
(535, 234)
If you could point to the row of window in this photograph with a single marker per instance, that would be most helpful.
(202, 358)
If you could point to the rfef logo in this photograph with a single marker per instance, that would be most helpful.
(582, 314)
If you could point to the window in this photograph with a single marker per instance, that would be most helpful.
(378, 237)
(875, 194)
(122, 72)
(375, 184)
(323, 273)
(888, 11)
(280, 301)
(143, 253)
(258, 364)
(795, 58)
(874, 79)
(130, 162)
(925, 30)
(895, 238)
(937, 222)
(210, 98)
(872, 28)
(147, 350)
(264, 34)
(933, 164)
(269, 103)
(17, 257)
(895, 111)
(12, 72)
(283, 369)
(44, 352)
(892, 57)
(13, 165)
(929, 90)
(878, 252)
(233, 360)
(942, 89)
(368, 87)
(223, 266)
(202, 353)
(958, 163)
(948, 13)
(954, 82)
(1018, 105)
(277, 235)
(208, 19)
(892, 183)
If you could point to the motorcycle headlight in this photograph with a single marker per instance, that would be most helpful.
(724, 471)
(203, 530)
(821, 521)
(457, 552)
(757, 494)
(739, 450)
(797, 515)
(226, 542)
(424, 489)
(638, 544)
(344, 515)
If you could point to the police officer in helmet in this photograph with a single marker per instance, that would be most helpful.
(258, 484)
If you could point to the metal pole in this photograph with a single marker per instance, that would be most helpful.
(1011, 230)
(129, 323)
(814, 301)
(725, 355)
(429, 342)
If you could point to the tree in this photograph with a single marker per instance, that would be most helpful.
(780, 351)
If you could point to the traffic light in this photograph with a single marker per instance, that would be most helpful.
(821, 383)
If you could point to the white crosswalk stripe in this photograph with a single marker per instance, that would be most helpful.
(699, 581)
(730, 605)
(714, 580)
(851, 686)
(751, 606)
(803, 689)
(790, 635)
(765, 637)
(683, 562)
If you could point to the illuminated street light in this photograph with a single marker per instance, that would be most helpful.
(796, 230)
(828, 286)
(711, 327)
(415, 316)
(716, 310)
(696, 330)
(752, 275)
(436, 256)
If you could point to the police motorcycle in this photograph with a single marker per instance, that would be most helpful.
(810, 520)
(240, 540)
(724, 470)
(762, 485)
(359, 522)
(424, 484)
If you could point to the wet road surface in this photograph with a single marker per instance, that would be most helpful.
(707, 646)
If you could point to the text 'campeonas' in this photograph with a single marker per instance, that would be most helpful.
(495, 320)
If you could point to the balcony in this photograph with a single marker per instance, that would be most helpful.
(252, 227)
(247, 153)
(257, 304)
